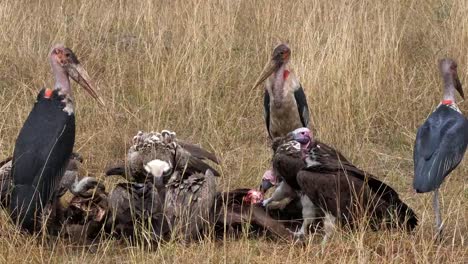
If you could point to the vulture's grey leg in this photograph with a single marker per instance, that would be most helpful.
(308, 214)
(281, 197)
(328, 227)
(439, 224)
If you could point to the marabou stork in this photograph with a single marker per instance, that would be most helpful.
(45, 142)
(285, 102)
(441, 141)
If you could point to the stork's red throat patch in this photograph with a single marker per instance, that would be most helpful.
(447, 102)
(48, 93)
(285, 74)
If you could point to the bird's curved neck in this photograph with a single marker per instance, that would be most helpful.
(449, 88)
(278, 84)
(62, 85)
(62, 82)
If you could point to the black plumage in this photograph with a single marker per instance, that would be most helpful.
(302, 107)
(440, 146)
(40, 158)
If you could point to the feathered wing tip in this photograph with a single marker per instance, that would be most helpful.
(23, 212)
(198, 152)
(116, 169)
(407, 218)
(5, 161)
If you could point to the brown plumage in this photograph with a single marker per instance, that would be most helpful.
(189, 203)
(135, 208)
(180, 155)
(185, 183)
(339, 188)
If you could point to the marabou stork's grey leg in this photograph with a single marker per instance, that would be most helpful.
(439, 224)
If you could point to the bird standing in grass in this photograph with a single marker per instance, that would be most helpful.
(441, 141)
(285, 102)
(285, 109)
(45, 142)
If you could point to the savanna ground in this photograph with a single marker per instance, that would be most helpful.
(370, 73)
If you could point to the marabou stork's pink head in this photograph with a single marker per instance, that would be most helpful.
(448, 70)
(63, 58)
(280, 56)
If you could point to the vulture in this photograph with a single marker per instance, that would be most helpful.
(189, 203)
(185, 183)
(172, 153)
(441, 141)
(46, 141)
(137, 209)
(333, 188)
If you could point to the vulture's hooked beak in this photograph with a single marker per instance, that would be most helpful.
(266, 185)
(81, 76)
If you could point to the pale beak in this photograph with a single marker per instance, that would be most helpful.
(79, 75)
(459, 87)
(268, 70)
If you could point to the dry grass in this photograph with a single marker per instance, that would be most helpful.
(368, 67)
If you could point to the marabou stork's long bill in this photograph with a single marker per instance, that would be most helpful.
(285, 102)
(441, 141)
(45, 142)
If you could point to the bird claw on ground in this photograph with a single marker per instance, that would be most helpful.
(266, 202)
(298, 236)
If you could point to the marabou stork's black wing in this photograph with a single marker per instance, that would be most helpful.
(302, 107)
(266, 106)
(440, 146)
(41, 155)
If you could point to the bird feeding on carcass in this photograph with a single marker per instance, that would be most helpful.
(333, 188)
(46, 140)
(183, 180)
(441, 141)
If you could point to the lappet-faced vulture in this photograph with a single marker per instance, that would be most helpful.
(333, 187)
(441, 141)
